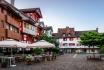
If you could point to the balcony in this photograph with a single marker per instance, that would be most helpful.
(2, 17)
(28, 31)
(13, 35)
(12, 21)
(2, 32)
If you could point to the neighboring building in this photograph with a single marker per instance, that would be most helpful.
(9, 21)
(22, 25)
(35, 14)
(48, 30)
(69, 40)
(28, 31)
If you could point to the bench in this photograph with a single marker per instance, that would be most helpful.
(94, 57)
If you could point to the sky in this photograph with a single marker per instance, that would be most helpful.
(78, 14)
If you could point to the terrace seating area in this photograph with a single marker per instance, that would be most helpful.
(16, 52)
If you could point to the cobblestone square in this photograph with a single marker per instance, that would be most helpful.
(63, 62)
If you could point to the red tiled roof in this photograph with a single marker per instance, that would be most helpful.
(70, 31)
(31, 10)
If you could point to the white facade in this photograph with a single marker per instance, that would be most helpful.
(74, 45)
(75, 41)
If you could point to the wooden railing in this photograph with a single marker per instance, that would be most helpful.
(13, 35)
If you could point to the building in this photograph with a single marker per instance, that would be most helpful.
(9, 21)
(28, 30)
(19, 24)
(48, 30)
(35, 14)
(69, 40)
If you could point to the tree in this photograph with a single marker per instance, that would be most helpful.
(102, 50)
(49, 39)
(90, 39)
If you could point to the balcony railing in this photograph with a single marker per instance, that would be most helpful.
(13, 35)
(2, 32)
(28, 31)
(12, 21)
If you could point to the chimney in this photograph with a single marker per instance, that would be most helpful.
(12, 2)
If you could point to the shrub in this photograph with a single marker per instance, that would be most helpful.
(38, 51)
(55, 50)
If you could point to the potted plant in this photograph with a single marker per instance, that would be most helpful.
(38, 51)
(28, 59)
(55, 52)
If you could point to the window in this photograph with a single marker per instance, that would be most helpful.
(78, 44)
(65, 44)
(7, 26)
(64, 39)
(27, 26)
(12, 28)
(71, 44)
(71, 39)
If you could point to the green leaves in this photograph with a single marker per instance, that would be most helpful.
(93, 39)
(55, 50)
(102, 49)
(38, 51)
(90, 39)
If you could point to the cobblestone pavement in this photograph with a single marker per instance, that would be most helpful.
(63, 62)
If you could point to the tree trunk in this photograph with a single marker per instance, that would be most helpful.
(93, 52)
(89, 49)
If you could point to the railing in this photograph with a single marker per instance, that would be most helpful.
(12, 21)
(32, 32)
(13, 35)
(2, 32)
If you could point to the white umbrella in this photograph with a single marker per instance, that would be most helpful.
(42, 44)
(12, 43)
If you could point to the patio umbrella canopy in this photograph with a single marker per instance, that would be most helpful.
(42, 44)
(12, 43)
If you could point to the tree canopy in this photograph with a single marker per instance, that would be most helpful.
(90, 39)
(93, 39)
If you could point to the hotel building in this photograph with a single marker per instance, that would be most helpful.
(69, 40)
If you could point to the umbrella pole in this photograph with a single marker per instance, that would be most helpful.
(23, 52)
(11, 52)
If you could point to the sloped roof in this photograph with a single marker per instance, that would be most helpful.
(31, 10)
(48, 28)
(70, 31)
(16, 11)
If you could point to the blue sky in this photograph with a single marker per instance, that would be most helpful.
(80, 14)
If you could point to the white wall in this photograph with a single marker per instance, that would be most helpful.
(75, 40)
